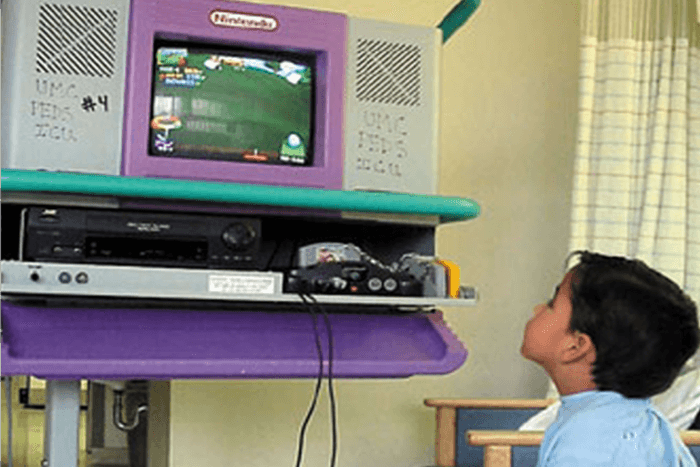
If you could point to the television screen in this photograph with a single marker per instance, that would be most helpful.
(231, 105)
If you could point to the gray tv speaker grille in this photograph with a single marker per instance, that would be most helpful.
(75, 40)
(388, 73)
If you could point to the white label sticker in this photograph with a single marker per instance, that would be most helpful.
(241, 284)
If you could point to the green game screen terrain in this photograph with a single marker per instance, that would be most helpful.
(231, 107)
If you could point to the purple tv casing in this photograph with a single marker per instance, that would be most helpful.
(282, 28)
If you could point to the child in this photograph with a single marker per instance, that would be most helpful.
(616, 333)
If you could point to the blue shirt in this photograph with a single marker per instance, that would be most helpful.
(604, 428)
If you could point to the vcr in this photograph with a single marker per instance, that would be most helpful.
(139, 238)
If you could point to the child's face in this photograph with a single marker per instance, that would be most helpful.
(547, 330)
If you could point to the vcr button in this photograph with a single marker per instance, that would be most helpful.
(374, 284)
(64, 278)
(81, 278)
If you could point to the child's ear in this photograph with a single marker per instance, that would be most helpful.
(578, 346)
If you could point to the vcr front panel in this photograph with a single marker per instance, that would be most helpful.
(139, 238)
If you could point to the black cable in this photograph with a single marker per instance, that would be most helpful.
(272, 255)
(313, 305)
(331, 395)
(319, 380)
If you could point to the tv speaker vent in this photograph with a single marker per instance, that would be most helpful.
(76, 40)
(388, 73)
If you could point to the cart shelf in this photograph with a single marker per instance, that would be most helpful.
(113, 341)
(94, 343)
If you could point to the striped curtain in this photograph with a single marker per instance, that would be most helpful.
(637, 169)
(636, 186)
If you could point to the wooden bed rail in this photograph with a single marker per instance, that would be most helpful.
(446, 420)
(497, 443)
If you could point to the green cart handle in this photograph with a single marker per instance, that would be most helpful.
(457, 17)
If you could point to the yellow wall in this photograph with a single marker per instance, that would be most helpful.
(28, 425)
(509, 102)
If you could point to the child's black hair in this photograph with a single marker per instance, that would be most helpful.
(643, 326)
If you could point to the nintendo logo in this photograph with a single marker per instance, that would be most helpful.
(230, 19)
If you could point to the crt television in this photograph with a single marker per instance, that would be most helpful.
(220, 91)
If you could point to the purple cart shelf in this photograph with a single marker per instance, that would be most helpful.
(172, 344)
